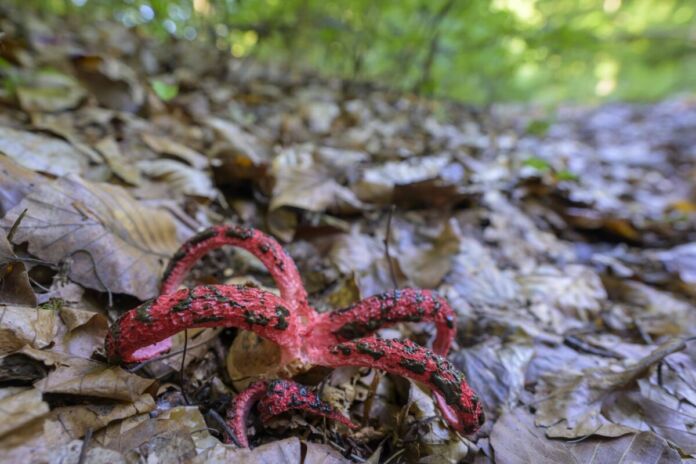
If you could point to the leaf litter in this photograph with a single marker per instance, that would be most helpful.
(568, 254)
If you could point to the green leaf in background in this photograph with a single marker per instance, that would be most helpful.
(567, 175)
(163, 90)
(537, 163)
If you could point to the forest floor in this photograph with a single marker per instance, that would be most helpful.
(564, 240)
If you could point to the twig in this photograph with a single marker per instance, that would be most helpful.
(85, 444)
(181, 371)
(15, 226)
(387, 239)
(225, 426)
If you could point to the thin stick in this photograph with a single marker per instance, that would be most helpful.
(387, 239)
(181, 371)
(85, 444)
(225, 426)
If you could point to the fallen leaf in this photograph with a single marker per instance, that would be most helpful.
(41, 153)
(427, 266)
(19, 406)
(140, 430)
(516, 440)
(288, 451)
(571, 404)
(167, 146)
(119, 164)
(21, 325)
(477, 281)
(112, 82)
(114, 242)
(50, 91)
(496, 372)
(14, 280)
(241, 154)
(17, 182)
(301, 183)
(73, 451)
(574, 290)
(77, 420)
(181, 178)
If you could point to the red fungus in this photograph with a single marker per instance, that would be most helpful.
(306, 338)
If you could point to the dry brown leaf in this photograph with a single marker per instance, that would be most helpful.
(84, 331)
(241, 154)
(41, 153)
(288, 451)
(516, 440)
(83, 377)
(50, 91)
(114, 243)
(14, 280)
(427, 266)
(19, 406)
(17, 182)
(477, 281)
(576, 291)
(139, 430)
(302, 183)
(120, 166)
(71, 453)
(76, 420)
(496, 372)
(572, 404)
(180, 178)
(22, 325)
(167, 146)
(112, 82)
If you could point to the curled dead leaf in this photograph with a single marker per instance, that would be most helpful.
(114, 243)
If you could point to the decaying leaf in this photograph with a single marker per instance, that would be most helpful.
(301, 183)
(19, 406)
(49, 91)
(119, 164)
(17, 181)
(113, 242)
(427, 266)
(288, 451)
(111, 81)
(41, 153)
(167, 146)
(496, 372)
(516, 440)
(14, 280)
(180, 178)
(22, 325)
(182, 426)
(572, 404)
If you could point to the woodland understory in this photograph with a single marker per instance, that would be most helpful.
(565, 241)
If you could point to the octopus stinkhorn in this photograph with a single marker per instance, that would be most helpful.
(306, 337)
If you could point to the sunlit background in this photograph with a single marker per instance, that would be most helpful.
(473, 50)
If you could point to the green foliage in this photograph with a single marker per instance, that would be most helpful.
(164, 90)
(475, 50)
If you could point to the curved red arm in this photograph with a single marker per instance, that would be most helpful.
(279, 264)
(277, 397)
(408, 305)
(459, 404)
(131, 337)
